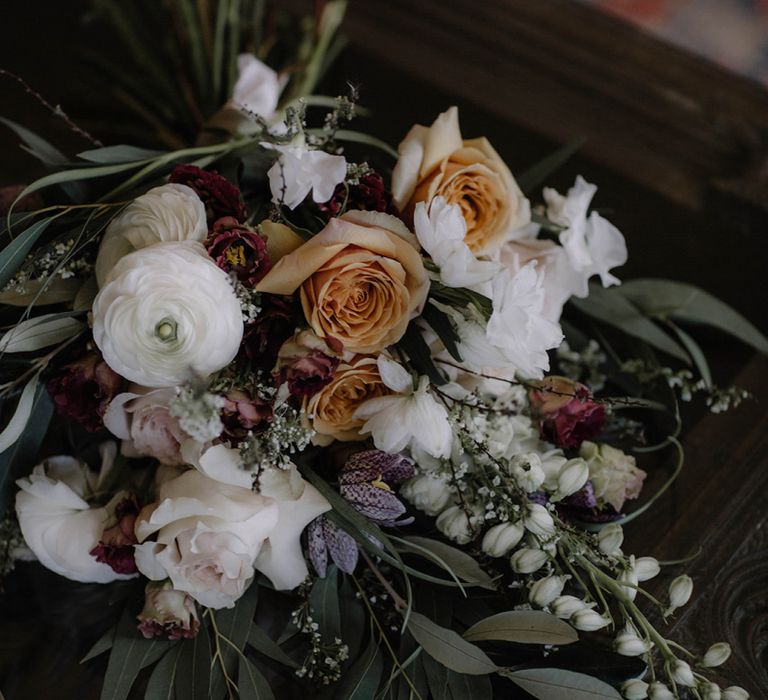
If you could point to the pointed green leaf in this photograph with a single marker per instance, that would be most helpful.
(442, 325)
(558, 684)
(251, 684)
(447, 647)
(324, 600)
(530, 179)
(524, 627)
(437, 678)
(40, 332)
(611, 307)
(194, 670)
(13, 255)
(118, 154)
(20, 417)
(161, 684)
(419, 354)
(263, 643)
(43, 292)
(36, 145)
(474, 687)
(684, 302)
(103, 644)
(451, 559)
(362, 680)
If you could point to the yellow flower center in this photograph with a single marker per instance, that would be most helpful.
(235, 255)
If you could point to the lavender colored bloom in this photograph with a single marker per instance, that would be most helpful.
(324, 538)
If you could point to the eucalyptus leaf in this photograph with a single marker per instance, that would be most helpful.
(695, 351)
(470, 687)
(162, 682)
(194, 670)
(251, 684)
(42, 292)
(558, 684)
(359, 137)
(447, 647)
(36, 145)
(103, 644)
(118, 154)
(362, 680)
(684, 302)
(20, 417)
(13, 255)
(437, 678)
(523, 627)
(611, 307)
(530, 179)
(324, 600)
(263, 643)
(40, 332)
(453, 560)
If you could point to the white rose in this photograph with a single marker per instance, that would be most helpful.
(170, 212)
(167, 313)
(211, 535)
(145, 425)
(59, 525)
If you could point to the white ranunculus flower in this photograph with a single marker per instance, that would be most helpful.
(592, 244)
(210, 536)
(407, 418)
(258, 87)
(517, 327)
(299, 171)
(58, 524)
(171, 212)
(441, 232)
(166, 314)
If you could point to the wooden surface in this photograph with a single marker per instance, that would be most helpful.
(678, 149)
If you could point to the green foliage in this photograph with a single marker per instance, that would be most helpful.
(558, 684)
(523, 627)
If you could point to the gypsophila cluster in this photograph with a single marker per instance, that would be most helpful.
(583, 366)
(683, 382)
(249, 298)
(54, 262)
(198, 412)
(285, 436)
(356, 171)
(324, 659)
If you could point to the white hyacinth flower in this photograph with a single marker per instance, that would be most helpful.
(545, 590)
(408, 418)
(427, 493)
(502, 538)
(565, 606)
(646, 568)
(716, 655)
(454, 524)
(538, 521)
(659, 691)
(635, 689)
(682, 674)
(588, 620)
(527, 471)
(441, 231)
(610, 539)
(679, 592)
(573, 475)
(735, 692)
(710, 691)
(629, 577)
(526, 561)
(299, 171)
(629, 643)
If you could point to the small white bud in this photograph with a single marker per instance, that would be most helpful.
(682, 673)
(573, 475)
(588, 620)
(610, 538)
(735, 693)
(565, 605)
(427, 493)
(629, 643)
(646, 568)
(635, 689)
(710, 691)
(545, 590)
(502, 538)
(629, 576)
(716, 655)
(680, 592)
(454, 524)
(526, 561)
(527, 471)
(538, 520)
(659, 691)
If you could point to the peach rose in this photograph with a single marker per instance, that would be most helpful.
(436, 161)
(332, 409)
(361, 278)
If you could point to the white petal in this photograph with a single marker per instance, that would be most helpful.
(394, 375)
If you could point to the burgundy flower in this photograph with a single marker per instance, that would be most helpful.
(263, 337)
(84, 389)
(243, 414)
(219, 195)
(237, 248)
(168, 613)
(566, 412)
(306, 364)
(368, 194)
(115, 547)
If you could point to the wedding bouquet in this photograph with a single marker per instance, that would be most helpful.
(343, 421)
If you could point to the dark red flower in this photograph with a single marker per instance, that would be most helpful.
(264, 336)
(84, 389)
(115, 547)
(237, 248)
(566, 412)
(307, 373)
(368, 194)
(168, 613)
(243, 414)
(220, 196)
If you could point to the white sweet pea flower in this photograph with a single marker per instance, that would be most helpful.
(441, 231)
(299, 171)
(592, 244)
(171, 212)
(166, 313)
(210, 536)
(59, 525)
(407, 419)
(258, 87)
(518, 327)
